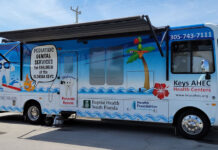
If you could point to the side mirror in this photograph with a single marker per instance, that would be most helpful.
(207, 76)
(205, 67)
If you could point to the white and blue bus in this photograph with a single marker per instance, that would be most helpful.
(124, 69)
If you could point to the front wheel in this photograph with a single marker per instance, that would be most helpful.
(33, 114)
(193, 124)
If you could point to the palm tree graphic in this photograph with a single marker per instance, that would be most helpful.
(138, 54)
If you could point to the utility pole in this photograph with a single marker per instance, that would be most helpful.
(77, 12)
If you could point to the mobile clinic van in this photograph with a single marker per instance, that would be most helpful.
(122, 69)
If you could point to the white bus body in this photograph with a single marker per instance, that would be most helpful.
(166, 75)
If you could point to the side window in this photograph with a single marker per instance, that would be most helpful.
(202, 51)
(190, 56)
(181, 54)
(9, 63)
(106, 67)
(12, 55)
(68, 64)
(97, 66)
(115, 66)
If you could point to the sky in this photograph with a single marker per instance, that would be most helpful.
(25, 14)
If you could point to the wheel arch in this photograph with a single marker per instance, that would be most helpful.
(180, 111)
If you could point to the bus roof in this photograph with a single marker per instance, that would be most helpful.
(187, 27)
(124, 26)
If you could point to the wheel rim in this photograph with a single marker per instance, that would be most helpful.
(192, 124)
(33, 113)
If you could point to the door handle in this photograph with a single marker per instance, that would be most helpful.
(62, 82)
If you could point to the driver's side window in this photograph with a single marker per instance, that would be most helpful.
(192, 56)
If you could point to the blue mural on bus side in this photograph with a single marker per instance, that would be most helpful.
(42, 65)
(10, 67)
(134, 51)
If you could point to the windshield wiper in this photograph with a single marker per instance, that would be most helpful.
(3, 56)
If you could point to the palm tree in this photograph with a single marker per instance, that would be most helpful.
(138, 54)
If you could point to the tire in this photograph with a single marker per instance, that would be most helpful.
(193, 124)
(33, 113)
(66, 116)
(49, 121)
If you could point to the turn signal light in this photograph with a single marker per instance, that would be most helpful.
(213, 104)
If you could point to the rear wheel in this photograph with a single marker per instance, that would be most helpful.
(65, 116)
(193, 124)
(33, 113)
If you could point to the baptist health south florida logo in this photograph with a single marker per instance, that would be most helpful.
(86, 103)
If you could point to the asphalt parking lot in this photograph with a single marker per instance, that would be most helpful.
(95, 134)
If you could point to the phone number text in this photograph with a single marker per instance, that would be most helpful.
(197, 35)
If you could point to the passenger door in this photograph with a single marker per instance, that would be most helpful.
(68, 72)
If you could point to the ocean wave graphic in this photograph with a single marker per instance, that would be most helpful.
(43, 90)
(111, 90)
(101, 90)
(10, 108)
(124, 116)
